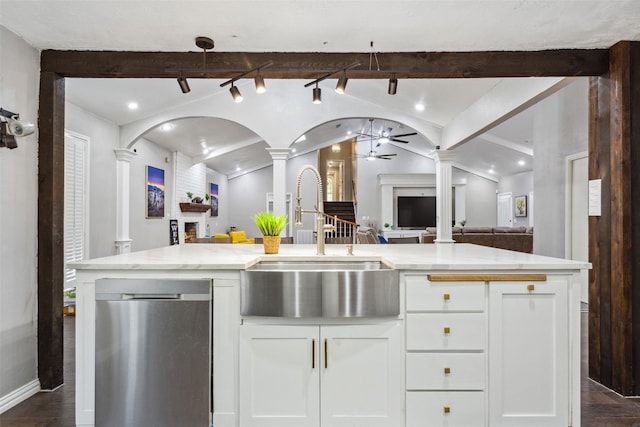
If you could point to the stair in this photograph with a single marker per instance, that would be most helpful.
(343, 210)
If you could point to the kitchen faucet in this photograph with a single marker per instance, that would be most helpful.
(322, 228)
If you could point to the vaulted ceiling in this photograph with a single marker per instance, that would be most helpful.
(323, 27)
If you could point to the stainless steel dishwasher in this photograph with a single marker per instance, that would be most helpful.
(153, 341)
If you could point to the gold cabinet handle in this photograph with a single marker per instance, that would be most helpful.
(447, 409)
(447, 330)
(313, 353)
(531, 287)
(447, 297)
(326, 355)
(447, 371)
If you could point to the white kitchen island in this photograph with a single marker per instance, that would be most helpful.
(485, 337)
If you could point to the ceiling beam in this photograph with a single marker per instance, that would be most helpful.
(225, 65)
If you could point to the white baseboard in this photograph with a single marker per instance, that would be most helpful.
(19, 395)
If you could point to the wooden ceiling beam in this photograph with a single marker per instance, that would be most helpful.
(419, 65)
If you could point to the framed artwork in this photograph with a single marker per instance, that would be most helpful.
(521, 206)
(213, 192)
(155, 192)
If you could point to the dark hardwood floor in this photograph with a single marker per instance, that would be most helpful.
(600, 406)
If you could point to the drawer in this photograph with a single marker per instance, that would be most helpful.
(450, 331)
(445, 408)
(423, 295)
(446, 371)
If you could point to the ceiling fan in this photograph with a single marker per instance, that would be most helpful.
(372, 155)
(385, 135)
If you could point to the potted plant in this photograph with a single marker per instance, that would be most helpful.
(270, 225)
(190, 196)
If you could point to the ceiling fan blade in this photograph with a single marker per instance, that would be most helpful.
(383, 158)
(399, 140)
(386, 155)
(404, 134)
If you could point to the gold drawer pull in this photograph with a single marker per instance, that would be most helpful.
(447, 330)
(447, 371)
(531, 287)
(447, 297)
(447, 409)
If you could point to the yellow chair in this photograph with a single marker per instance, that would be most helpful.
(240, 237)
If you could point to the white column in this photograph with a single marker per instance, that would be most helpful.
(123, 180)
(444, 195)
(279, 156)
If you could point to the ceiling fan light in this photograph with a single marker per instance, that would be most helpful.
(393, 85)
(235, 92)
(342, 83)
(260, 87)
(184, 85)
(317, 95)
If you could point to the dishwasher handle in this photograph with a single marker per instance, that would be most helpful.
(126, 296)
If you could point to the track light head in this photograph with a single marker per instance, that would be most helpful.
(235, 92)
(342, 83)
(393, 85)
(317, 95)
(184, 85)
(260, 87)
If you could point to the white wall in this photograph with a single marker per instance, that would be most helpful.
(147, 233)
(560, 129)
(518, 185)
(19, 82)
(247, 196)
(103, 139)
(481, 204)
(220, 223)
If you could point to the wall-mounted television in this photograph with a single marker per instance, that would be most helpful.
(416, 211)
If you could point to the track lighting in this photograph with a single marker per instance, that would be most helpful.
(260, 88)
(235, 92)
(317, 95)
(184, 86)
(393, 85)
(342, 83)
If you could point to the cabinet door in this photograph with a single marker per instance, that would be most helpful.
(279, 376)
(362, 373)
(529, 354)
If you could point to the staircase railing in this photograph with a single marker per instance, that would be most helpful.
(343, 231)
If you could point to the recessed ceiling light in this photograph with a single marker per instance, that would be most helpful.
(491, 171)
(419, 107)
(237, 168)
(348, 132)
(132, 105)
(521, 162)
(293, 150)
(167, 127)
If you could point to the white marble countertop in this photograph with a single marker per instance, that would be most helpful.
(456, 256)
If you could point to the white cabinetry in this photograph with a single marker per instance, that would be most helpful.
(529, 353)
(489, 351)
(446, 358)
(329, 375)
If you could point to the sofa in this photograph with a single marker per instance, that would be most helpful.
(518, 239)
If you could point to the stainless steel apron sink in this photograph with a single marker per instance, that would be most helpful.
(320, 289)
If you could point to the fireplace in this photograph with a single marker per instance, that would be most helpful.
(190, 231)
